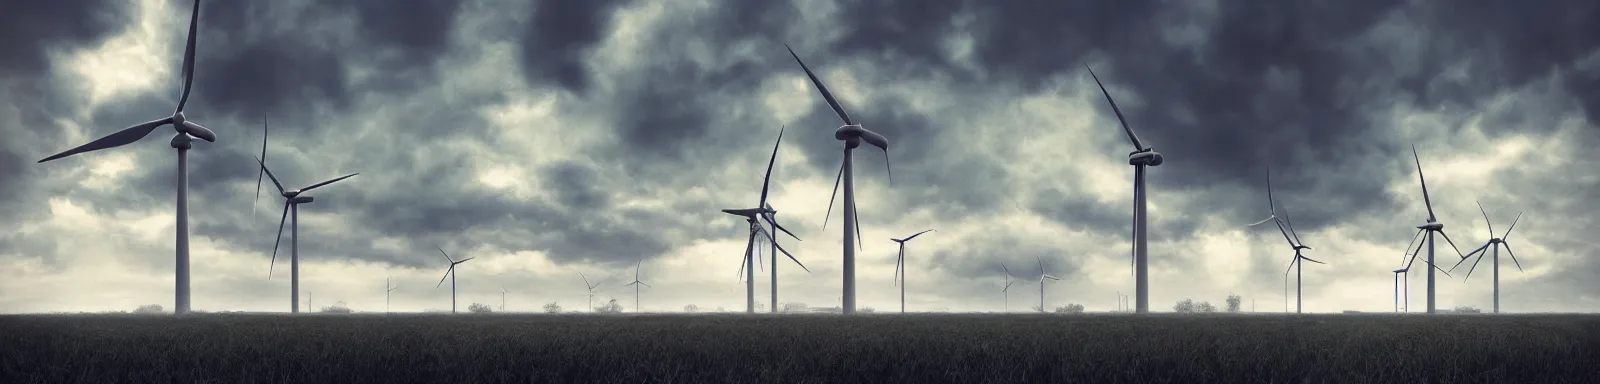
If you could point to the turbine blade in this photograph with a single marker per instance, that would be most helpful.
(1441, 270)
(1452, 244)
(1269, 218)
(1291, 268)
(1412, 244)
(1284, 232)
(1513, 226)
(274, 178)
(836, 180)
(260, 173)
(585, 280)
(1513, 256)
(120, 138)
(188, 56)
(198, 131)
(1485, 218)
(1290, 223)
(465, 260)
(767, 180)
(645, 284)
(774, 224)
(1312, 260)
(791, 257)
(1007, 270)
(446, 256)
(1469, 270)
(278, 240)
(1051, 277)
(749, 246)
(887, 168)
(314, 186)
(822, 88)
(918, 234)
(1125, 128)
(446, 274)
(1425, 199)
(857, 215)
(631, 283)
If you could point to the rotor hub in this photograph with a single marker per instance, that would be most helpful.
(178, 119)
(1148, 157)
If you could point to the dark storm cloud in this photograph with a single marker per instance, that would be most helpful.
(558, 38)
(30, 29)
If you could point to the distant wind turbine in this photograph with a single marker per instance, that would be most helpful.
(1494, 243)
(591, 290)
(636, 283)
(1006, 292)
(389, 288)
(1286, 228)
(291, 213)
(502, 298)
(900, 269)
(187, 131)
(1433, 226)
(450, 273)
(1042, 277)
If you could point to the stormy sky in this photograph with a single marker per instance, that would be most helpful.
(548, 138)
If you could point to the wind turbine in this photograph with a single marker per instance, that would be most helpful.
(187, 131)
(1006, 292)
(1494, 242)
(1140, 158)
(751, 215)
(591, 290)
(502, 298)
(900, 267)
(636, 283)
(1433, 226)
(1296, 263)
(291, 212)
(450, 273)
(389, 288)
(1042, 276)
(852, 134)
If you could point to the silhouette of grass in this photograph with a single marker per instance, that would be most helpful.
(685, 348)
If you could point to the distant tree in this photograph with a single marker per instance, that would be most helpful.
(1205, 307)
(1233, 303)
(609, 307)
(760, 307)
(148, 309)
(337, 307)
(866, 309)
(795, 307)
(552, 308)
(480, 308)
(691, 308)
(1466, 309)
(1070, 309)
(720, 309)
(1185, 306)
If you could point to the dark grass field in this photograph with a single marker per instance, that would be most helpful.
(720, 348)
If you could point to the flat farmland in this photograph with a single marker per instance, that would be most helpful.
(812, 348)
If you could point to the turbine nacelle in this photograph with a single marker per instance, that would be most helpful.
(1148, 157)
(1434, 226)
(750, 213)
(299, 199)
(1298, 247)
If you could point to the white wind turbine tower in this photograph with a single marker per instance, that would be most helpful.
(751, 215)
(187, 131)
(1042, 276)
(1006, 292)
(291, 213)
(1494, 242)
(900, 267)
(852, 134)
(1286, 228)
(1431, 227)
(450, 273)
(1405, 275)
(636, 283)
(502, 298)
(1140, 158)
(389, 288)
(591, 290)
